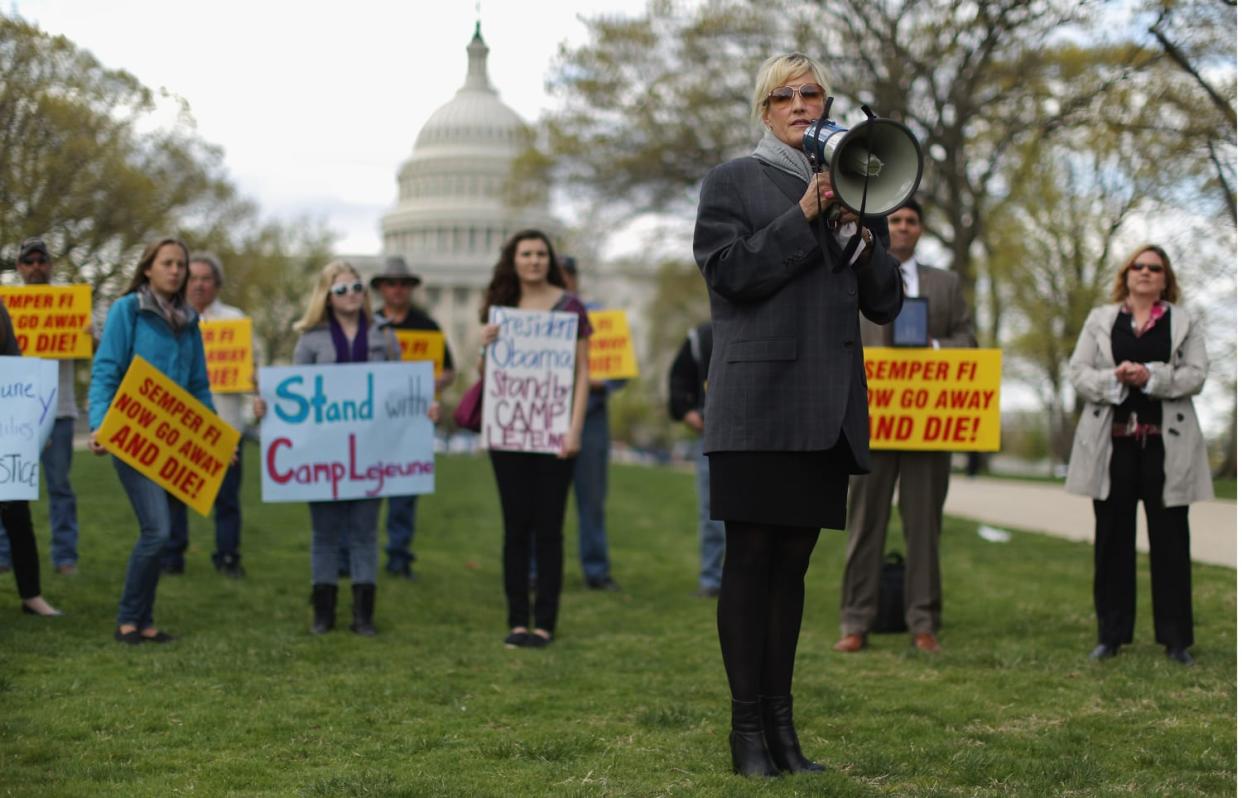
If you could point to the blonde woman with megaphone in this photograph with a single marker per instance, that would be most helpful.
(787, 397)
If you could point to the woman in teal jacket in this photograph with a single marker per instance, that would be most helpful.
(154, 321)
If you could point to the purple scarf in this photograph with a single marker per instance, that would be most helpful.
(345, 353)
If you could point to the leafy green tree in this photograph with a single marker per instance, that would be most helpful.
(1199, 38)
(84, 163)
(1044, 135)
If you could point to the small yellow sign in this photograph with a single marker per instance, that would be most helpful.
(934, 399)
(422, 345)
(167, 435)
(611, 346)
(51, 321)
(229, 346)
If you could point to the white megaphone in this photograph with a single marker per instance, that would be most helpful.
(875, 166)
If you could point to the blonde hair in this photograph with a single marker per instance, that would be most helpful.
(317, 306)
(778, 69)
(1121, 290)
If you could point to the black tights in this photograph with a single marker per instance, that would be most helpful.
(25, 555)
(533, 491)
(759, 614)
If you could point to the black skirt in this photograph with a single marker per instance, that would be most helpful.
(802, 489)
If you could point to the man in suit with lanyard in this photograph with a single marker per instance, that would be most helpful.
(924, 476)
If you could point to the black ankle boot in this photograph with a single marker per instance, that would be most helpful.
(364, 609)
(323, 599)
(750, 753)
(782, 739)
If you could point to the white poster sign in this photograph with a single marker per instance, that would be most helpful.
(28, 388)
(529, 381)
(347, 431)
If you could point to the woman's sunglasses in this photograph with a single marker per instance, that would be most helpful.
(809, 92)
(341, 289)
(1154, 268)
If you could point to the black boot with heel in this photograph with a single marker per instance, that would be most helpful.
(746, 743)
(364, 610)
(782, 739)
(323, 599)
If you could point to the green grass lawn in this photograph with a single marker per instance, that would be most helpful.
(630, 700)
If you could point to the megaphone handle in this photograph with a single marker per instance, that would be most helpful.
(821, 229)
(852, 245)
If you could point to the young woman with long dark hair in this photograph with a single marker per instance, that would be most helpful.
(534, 487)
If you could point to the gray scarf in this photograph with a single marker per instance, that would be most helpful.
(177, 314)
(775, 152)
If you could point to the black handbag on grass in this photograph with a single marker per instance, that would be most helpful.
(890, 616)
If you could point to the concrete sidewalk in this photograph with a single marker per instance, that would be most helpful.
(1046, 507)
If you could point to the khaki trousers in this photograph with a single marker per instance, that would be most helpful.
(924, 478)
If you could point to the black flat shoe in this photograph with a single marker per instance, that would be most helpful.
(517, 639)
(402, 572)
(1103, 651)
(53, 614)
(131, 638)
(535, 640)
(159, 637)
(1179, 655)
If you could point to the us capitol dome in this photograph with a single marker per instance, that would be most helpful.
(451, 215)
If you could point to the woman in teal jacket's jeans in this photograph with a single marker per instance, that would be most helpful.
(151, 320)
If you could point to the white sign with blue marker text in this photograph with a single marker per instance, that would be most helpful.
(28, 389)
(347, 431)
(528, 389)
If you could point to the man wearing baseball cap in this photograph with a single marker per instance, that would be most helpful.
(34, 266)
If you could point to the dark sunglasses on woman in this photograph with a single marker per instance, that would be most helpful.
(809, 92)
(1154, 268)
(341, 289)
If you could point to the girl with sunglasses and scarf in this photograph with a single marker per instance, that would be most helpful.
(338, 327)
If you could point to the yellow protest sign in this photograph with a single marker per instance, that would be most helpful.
(158, 428)
(229, 346)
(51, 321)
(611, 346)
(422, 345)
(934, 399)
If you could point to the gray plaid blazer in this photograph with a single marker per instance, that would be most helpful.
(786, 372)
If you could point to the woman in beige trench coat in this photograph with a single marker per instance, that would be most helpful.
(1138, 362)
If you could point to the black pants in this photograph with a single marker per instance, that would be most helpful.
(16, 519)
(533, 491)
(1136, 472)
(759, 612)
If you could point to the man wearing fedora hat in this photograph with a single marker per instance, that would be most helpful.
(395, 284)
(34, 266)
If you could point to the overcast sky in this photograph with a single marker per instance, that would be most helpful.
(316, 104)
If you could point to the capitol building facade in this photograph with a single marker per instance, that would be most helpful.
(451, 217)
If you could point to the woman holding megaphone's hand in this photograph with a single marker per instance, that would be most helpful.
(788, 270)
